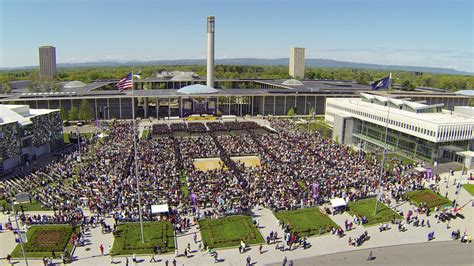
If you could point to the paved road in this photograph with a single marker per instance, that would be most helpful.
(434, 253)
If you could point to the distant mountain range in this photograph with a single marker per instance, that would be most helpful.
(262, 62)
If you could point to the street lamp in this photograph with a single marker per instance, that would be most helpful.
(20, 240)
(79, 143)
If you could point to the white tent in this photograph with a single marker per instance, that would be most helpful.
(338, 202)
(162, 208)
(420, 169)
(102, 135)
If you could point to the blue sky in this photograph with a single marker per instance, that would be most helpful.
(407, 32)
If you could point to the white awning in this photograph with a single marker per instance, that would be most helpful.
(420, 169)
(162, 208)
(338, 202)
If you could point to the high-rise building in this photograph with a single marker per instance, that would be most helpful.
(47, 62)
(296, 67)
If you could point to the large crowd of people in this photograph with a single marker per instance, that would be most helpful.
(298, 169)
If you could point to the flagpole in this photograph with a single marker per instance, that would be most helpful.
(136, 163)
(384, 151)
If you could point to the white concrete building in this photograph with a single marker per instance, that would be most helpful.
(426, 131)
(26, 134)
(296, 66)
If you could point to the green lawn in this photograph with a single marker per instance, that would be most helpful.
(318, 126)
(127, 238)
(33, 206)
(183, 187)
(43, 239)
(391, 156)
(229, 231)
(469, 188)
(66, 137)
(306, 221)
(145, 134)
(366, 207)
(429, 197)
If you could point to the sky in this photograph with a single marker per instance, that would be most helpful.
(435, 33)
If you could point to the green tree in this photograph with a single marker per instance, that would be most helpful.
(63, 114)
(6, 88)
(85, 111)
(407, 85)
(291, 112)
(73, 114)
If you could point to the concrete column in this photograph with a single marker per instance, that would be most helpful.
(228, 97)
(305, 102)
(48, 103)
(169, 107)
(96, 113)
(217, 105)
(274, 104)
(251, 105)
(157, 107)
(284, 108)
(145, 107)
(263, 106)
(120, 107)
(108, 109)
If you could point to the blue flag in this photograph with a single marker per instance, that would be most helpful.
(383, 83)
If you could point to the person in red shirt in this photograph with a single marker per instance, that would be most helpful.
(101, 249)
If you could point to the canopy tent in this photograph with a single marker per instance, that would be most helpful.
(162, 208)
(338, 202)
(421, 169)
(102, 135)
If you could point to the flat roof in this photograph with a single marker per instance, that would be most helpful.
(444, 117)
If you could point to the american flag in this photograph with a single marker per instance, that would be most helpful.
(125, 83)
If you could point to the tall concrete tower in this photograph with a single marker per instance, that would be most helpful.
(210, 51)
(296, 66)
(47, 62)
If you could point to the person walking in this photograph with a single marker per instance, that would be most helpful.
(153, 258)
(101, 248)
(371, 256)
(195, 238)
(285, 260)
(249, 260)
(126, 261)
(260, 248)
(290, 263)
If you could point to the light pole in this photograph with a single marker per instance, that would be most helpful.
(312, 115)
(20, 240)
(79, 143)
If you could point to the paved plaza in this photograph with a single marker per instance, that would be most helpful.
(320, 245)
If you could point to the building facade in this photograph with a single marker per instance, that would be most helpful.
(26, 134)
(425, 131)
(47, 62)
(296, 65)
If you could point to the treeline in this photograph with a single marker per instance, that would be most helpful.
(402, 79)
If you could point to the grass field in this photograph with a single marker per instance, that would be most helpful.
(66, 137)
(366, 207)
(145, 134)
(306, 221)
(206, 164)
(429, 197)
(392, 157)
(229, 231)
(183, 186)
(318, 126)
(33, 206)
(248, 161)
(42, 240)
(469, 188)
(127, 238)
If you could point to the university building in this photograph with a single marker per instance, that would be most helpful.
(420, 129)
(26, 134)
